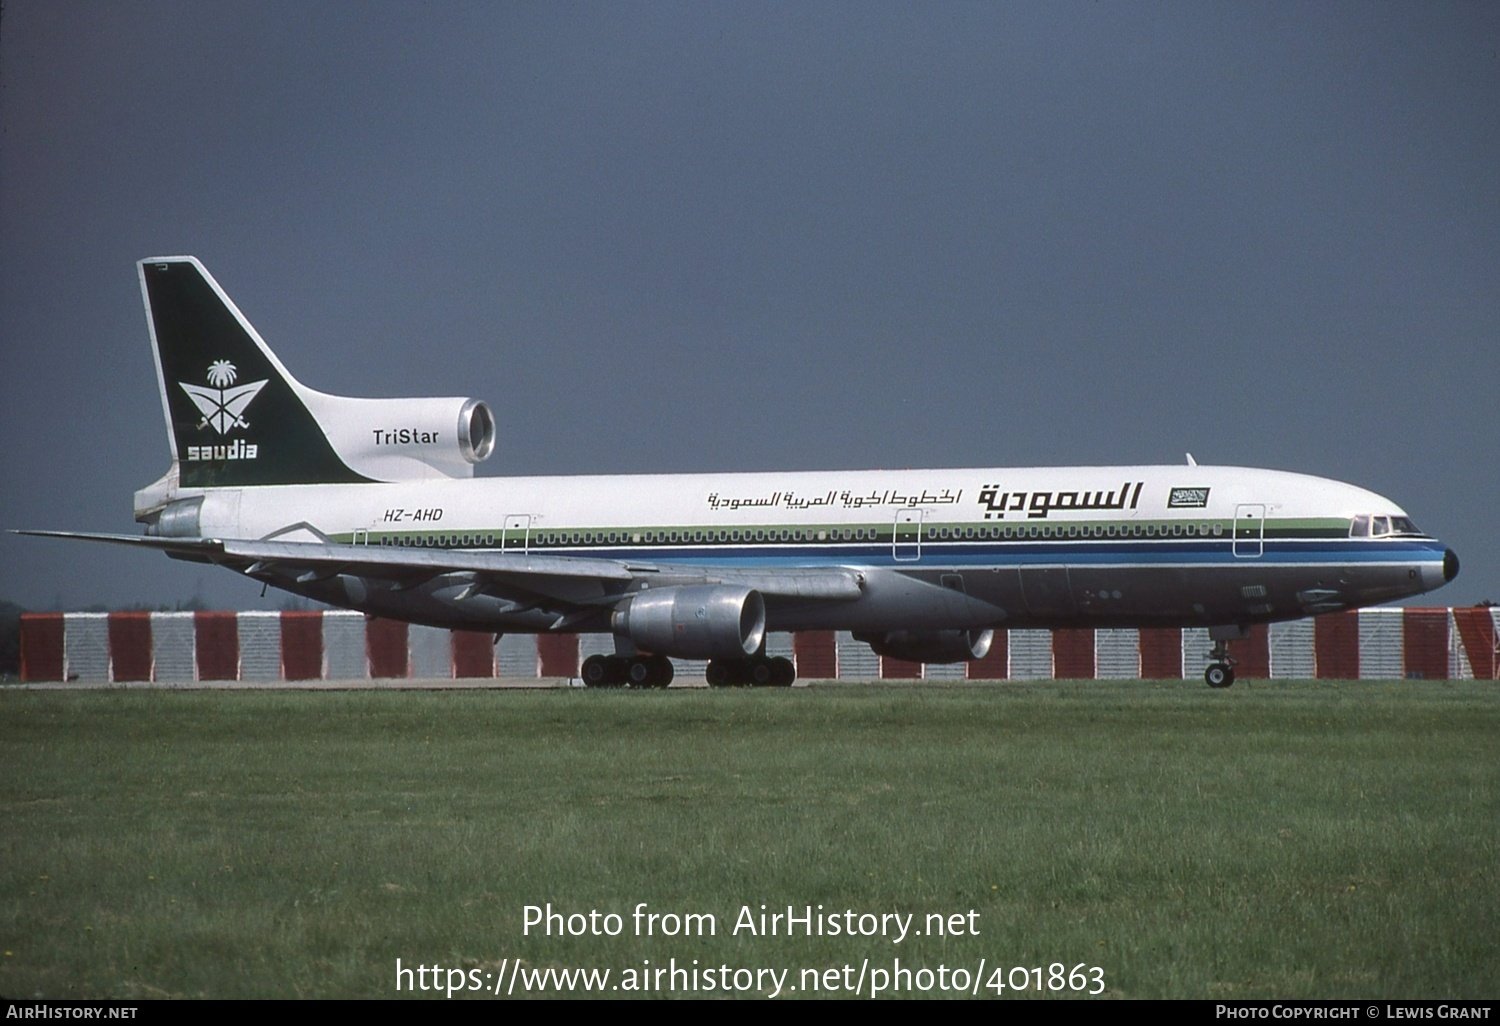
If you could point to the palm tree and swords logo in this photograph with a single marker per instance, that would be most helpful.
(222, 407)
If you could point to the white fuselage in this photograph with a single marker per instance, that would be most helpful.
(1046, 545)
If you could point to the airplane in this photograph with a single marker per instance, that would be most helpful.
(371, 505)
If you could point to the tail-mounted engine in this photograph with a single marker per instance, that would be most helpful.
(704, 621)
(407, 439)
(930, 646)
(236, 416)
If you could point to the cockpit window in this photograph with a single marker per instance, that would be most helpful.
(1403, 525)
(1366, 525)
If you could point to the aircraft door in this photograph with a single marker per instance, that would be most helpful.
(906, 538)
(1249, 530)
(517, 534)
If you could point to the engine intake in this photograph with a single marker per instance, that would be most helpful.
(701, 621)
(930, 646)
(476, 431)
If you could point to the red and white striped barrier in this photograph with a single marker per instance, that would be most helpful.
(1371, 644)
(190, 647)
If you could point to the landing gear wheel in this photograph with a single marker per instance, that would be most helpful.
(757, 671)
(1220, 672)
(1219, 675)
(639, 673)
(652, 671)
(661, 671)
(602, 671)
(729, 673)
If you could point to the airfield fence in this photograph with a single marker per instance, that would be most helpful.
(1371, 644)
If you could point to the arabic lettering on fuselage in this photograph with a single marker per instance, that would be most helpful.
(891, 497)
(1037, 505)
(844, 499)
(714, 502)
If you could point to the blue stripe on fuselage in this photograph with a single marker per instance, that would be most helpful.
(1074, 552)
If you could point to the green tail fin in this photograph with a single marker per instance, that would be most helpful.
(235, 415)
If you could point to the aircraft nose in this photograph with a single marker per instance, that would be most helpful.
(1450, 565)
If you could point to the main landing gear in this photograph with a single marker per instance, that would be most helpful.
(646, 671)
(756, 671)
(655, 671)
(1220, 672)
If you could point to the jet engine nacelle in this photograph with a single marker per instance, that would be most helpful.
(930, 646)
(407, 439)
(701, 621)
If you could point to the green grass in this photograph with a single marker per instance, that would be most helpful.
(1273, 840)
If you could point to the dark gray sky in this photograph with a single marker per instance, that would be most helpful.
(674, 237)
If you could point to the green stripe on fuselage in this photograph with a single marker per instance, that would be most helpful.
(690, 537)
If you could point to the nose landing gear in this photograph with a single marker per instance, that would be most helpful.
(1220, 672)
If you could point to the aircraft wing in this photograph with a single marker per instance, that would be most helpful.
(569, 580)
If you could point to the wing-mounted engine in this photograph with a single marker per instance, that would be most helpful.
(707, 621)
(930, 646)
(406, 439)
